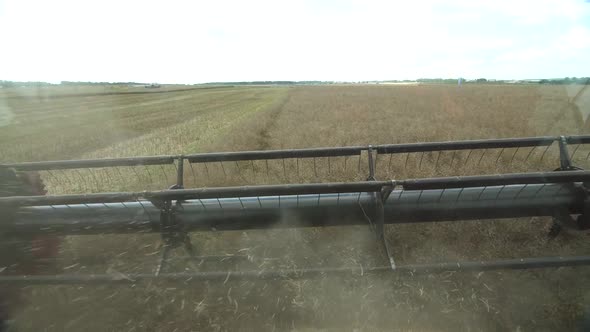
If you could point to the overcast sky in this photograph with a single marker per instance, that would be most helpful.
(218, 40)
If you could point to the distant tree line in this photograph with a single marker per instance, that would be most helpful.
(269, 83)
(100, 83)
(438, 80)
(8, 84)
(558, 81)
(567, 80)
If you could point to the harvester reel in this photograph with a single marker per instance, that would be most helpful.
(559, 192)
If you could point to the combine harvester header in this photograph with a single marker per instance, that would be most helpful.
(560, 192)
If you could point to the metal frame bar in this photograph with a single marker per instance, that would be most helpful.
(298, 153)
(224, 276)
(304, 189)
(91, 163)
(311, 210)
(276, 154)
(426, 200)
(466, 145)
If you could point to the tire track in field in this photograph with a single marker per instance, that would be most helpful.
(263, 136)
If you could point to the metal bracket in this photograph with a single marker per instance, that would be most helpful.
(371, 176)
(583, 220)
(562, 218)
(380, 198)
(180, 172)
(565, 161)
(171, 230)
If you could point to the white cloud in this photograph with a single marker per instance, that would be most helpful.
(198, 41)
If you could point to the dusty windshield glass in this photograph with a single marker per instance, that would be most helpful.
(313, 165)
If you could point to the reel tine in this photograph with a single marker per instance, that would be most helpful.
(193, 173)
(540, 189)
(297, 168)
(329, 167)
(437, 159)
(136, 174)
(499, 155)
(452, 158)
(481, 158)
(520, 191)
(285, 169)
(54, 178)
(267, 172)
(459, 195)
(544, 152)
(421, 158)
(82, 178)
(239, 170)
(223, 169)
(529, 154)
(252, 165)
(345, 159)
(375, 161)
(441, 195)
(406, 163)
(359, 166)
(389, 165)
(468, 156)
(96, 182)
(315, 171)
(481, 193)
(66, 178)
(149, 174)
(165, 176)
(143, 207)
(574, 152)
(106, 179)
(513, 155)
(118, 171)
(499, 192)
(206, 170)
